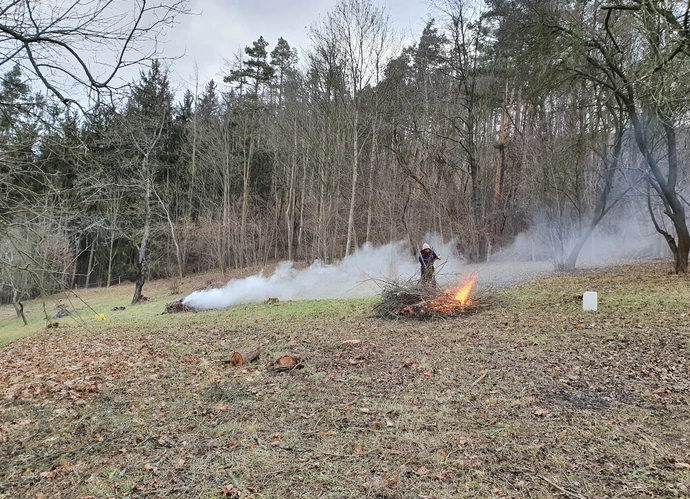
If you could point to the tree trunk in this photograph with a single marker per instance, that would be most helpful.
(245, 197)
(500, 163)
(372, 166)
(353, 193)
(110, 258)
(142, 267)
(665, 186)
(18, 307)
(90, 266)
(290, 208)
(601, 208)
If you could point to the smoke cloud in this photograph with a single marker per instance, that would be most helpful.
(363, 273)
(358, 275)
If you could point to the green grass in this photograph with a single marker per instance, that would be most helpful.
(150, 313)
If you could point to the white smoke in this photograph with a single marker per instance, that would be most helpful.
(363, 274)
(360, 274)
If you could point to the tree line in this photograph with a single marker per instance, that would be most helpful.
(502, 117)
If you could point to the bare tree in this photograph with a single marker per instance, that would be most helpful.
(638, 51)
(55, 41)
(361, 34)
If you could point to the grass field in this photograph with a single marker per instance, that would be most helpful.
(531, 398)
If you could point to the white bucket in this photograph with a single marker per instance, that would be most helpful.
(589, 300)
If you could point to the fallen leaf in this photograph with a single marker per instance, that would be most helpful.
(422, 470)
(540, 412)
(358, 449)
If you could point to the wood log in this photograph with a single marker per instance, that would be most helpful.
(245, 356)
(287, 362)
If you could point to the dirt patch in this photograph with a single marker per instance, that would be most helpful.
(582, 395)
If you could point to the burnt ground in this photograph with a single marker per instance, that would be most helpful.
(531, 398)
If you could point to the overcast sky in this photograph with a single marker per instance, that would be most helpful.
(221, 28)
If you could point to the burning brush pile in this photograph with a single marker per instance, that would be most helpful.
(419, 301)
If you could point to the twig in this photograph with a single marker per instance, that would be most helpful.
(480, 378)
(235, 479)
(561, 489)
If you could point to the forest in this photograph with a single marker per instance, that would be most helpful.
(549, 118)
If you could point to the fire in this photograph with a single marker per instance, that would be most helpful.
(456, 298)
(463, 292)
(428, 302)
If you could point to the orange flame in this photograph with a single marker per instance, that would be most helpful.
(456, 298)
(463, 292)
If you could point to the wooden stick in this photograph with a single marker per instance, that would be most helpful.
(480, 377)
(567, 492)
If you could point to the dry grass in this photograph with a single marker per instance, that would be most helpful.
(531, 398)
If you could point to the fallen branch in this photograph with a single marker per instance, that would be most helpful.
(567, 492)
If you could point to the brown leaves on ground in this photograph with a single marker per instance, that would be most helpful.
(516, 401)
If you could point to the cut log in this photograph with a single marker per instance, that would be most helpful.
(245, 356)
(287, 363)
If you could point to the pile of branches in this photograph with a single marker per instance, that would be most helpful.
(177, 307)
(425, 302)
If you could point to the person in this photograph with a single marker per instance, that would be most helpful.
(426, 260)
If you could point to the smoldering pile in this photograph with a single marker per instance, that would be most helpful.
(177, 307)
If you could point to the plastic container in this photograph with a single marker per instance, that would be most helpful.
(589, 301)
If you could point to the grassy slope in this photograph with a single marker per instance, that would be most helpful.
(533, 398)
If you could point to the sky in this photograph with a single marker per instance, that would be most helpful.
(222, 28)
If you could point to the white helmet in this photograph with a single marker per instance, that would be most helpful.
(426, 246)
